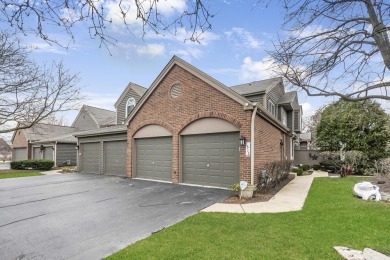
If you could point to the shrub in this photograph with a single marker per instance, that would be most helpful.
(331, 165)
(298, 171)
(42, 165)
(316, 167)
(305, 167)
(271, 174)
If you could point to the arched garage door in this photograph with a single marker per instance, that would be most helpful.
(211, 159)
(153, 153)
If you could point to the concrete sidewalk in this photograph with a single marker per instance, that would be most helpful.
(290, 198)
(52, 172)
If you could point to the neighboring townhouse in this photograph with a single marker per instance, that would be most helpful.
(190, 128)
(57, 143)
(23, 141)
(103, 151)
(5, 150)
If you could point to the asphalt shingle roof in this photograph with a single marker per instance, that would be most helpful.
(102, 116)
(288, 97)
(305, 136)
(66, 138)
(41, 130)
(256, 86)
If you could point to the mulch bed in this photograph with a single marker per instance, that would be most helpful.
(260, 196)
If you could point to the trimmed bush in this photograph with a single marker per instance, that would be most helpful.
(298, 171)
(42, 165)
(316, 167)
(305, 167)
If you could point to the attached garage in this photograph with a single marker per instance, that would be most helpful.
(48, 153)
(154, 158)
(115, 157)
(19, 154)
(89, 157)
(103, 151)
(37, 153)
(211, 159)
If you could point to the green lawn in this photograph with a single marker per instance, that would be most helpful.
(4, 174)
(331, 216)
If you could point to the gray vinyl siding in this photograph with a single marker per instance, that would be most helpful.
(121, 109)
(66, 152)
(295, 104)
(101, 140)
(85, 122)
(275, 93)
(256, 98)
(290, 119)
(297, 125)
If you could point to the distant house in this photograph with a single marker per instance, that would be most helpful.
(305, 150)
(57, 143)
(5, 150)
(304, 141)
(189, 128)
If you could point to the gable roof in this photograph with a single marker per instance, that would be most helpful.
(40, 130)
(137, 89)
(288, 97)
(305, 136)
(99, 115)
(196, 72)
(255, 87)
(4, 146)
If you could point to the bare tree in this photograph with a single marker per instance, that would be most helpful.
(29, 93)
(37, 17)
(336, 48)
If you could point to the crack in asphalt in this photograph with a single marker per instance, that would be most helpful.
(106, 199)
(151, 205)
(20, 220)
(54, 197)
(26, 195)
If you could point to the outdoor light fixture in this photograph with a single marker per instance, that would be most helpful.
(281, 142)
(77, 147)
(242, 140)
(41, 147)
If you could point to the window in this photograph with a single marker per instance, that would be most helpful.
(283, 116)
(130, 104)
(271, 107)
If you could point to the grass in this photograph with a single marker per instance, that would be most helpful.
(331, 216)
(4, 174)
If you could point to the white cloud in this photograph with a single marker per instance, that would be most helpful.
(256, 70)
(45, 47)
(188, 53)
(307, 109)
(243, 38)
(102, 100)
(151, 50)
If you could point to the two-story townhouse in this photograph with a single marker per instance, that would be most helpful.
(190, 128)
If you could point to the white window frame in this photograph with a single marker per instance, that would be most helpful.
(271, 107)
(129, 102)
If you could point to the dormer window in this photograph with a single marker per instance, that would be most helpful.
(283, 116)
(271, 107)
(130, 104)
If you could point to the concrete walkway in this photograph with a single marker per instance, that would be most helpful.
(52, 172)
(290, 198)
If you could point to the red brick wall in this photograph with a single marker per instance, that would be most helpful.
(198, 100)
(267, 144)
(19, 140)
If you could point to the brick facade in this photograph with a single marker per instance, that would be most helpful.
(200, 100)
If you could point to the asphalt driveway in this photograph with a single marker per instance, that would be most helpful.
(83, 216)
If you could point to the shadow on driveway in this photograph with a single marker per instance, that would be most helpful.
(83, 216)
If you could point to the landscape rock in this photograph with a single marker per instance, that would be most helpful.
(366, 254)
(370, 254)
(348, 253)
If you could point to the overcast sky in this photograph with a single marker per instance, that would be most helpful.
(233, 52)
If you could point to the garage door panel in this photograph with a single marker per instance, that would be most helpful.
(115, 155)
(211, 159)
(48, 153)
(154, 158)
(37, 153)
(89, 159)
(19, 154)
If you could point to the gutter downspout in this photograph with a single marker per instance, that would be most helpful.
(253, 143)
